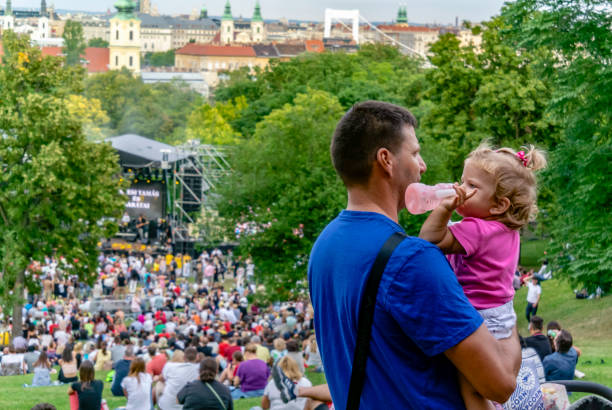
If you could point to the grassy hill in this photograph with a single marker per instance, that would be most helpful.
(589, 321)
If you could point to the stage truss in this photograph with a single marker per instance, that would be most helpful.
(194, 179)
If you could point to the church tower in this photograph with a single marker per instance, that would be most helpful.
(227, 25)
(203, 13)
(7, 22)
(125, 38)
(402, 15)
(144, 6)
(257, 25)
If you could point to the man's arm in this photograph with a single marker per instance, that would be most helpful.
(490, 365)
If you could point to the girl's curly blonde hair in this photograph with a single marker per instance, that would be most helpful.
(514, 179)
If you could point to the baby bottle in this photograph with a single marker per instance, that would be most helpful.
(421, 198)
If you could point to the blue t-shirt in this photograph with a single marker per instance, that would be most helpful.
(560, 366)
(421, 311)
(122, 368)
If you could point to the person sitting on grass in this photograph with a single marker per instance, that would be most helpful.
(68, 366)
(122, 368)
(13, 362)
(561, 364)
(538, 340)
(252, 375)
(42, 370)
(86, 394)
(206, 392)
(286, 374)
(176, 375)
(137, 386)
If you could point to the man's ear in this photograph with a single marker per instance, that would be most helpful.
(384, 158)
(500, 207)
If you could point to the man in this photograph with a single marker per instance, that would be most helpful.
(423, 326)
(534, 291)
(561, 364)
(117, 351)
(157, 362)
(122, 368)
(121, 289)
(252, 375)
(176, 376)
(538, 340)
(262, 352)
(31, 357)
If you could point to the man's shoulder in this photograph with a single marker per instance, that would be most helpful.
(551, 358)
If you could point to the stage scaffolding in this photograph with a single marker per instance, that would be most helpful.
(194, 179)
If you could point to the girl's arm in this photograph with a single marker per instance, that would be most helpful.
(265, 402)
(435, 229)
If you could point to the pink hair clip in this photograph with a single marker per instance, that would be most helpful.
(521, 155)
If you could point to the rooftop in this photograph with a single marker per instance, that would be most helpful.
(196, 49)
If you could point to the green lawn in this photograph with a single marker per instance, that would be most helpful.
(589, 322)
(532, 252)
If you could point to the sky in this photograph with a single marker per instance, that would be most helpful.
(421, 11)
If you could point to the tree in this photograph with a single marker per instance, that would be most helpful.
(157, 111)
(284, 186)
(97, 42)
(375, 72)
(490, 94)
(93, 118)
(211, 124)
(159, 59)
(74, 43)
(578, 36)
(57, 190)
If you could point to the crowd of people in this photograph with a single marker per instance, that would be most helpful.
(177, 339)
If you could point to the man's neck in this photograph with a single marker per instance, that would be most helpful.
(366, 199)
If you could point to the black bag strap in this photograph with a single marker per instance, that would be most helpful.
(366, 317)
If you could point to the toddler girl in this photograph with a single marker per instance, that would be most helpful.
(497, 196)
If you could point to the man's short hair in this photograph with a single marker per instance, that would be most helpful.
(129, 351)
(362, 131)
(251, 348)
(564, 341)
(191, 354)
(536, 322)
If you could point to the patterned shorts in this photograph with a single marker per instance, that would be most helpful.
(499, 320)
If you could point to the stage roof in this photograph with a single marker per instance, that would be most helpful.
(138, 152)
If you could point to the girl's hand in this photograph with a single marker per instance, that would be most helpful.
(452, 203)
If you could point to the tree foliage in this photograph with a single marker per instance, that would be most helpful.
(56, 188)
(490, 94)
(284, 186)
(97, 42)
(210, 124)
(93, 118)
(579, 37)
(159, 111)
(375, 72)
(74, 42)
(159, 59)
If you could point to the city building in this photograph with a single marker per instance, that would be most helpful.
(158, 33)
(242, 31)
(196, 81)
(125, 38)
(95, 60)
(416, 39)
(205, 57)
